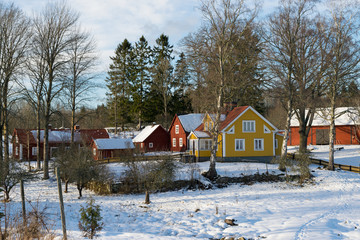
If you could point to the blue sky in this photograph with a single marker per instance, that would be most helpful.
(111, 21)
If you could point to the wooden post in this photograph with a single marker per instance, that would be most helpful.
(63, 223)
(22, 192)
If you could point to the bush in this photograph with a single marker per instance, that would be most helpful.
(90, 219)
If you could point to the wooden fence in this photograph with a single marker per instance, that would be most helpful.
(177, 156)
(326, 163)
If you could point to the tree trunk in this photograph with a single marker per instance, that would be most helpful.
(72, 124)
(46, 149)
(147, 197)
(79, 187)
(332, 137)
(38, 139)
(66, 185)
(282, 164)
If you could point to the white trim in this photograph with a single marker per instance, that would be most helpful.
(274, 149)
(174, 142)
(231, 130)
(244, 124)
(262, 145)
(177, 129)
(224, 144)
(151, 145)
(249, 107)
(181, 144)
(241, 140)
(266, 129)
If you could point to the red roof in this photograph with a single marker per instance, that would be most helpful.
(232, 115)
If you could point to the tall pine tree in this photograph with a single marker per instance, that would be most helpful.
(121, 75)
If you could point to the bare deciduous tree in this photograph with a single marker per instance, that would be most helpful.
(53, 35)
(226, 23)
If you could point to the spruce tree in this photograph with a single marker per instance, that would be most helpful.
(140, 85)
(121, 75)
(162, 73)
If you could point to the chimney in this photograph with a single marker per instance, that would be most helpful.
(76, 127)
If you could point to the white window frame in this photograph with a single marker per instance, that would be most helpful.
(266, 129)
(177, 129)
(151, 145)
(94, 151)
(16, 139)
(174, 142)
(34, 151)
(17, 151)
(232, 130)
(276, 144)
(248, 126)
(205, 144)
(258, 144)
(241, 144)
(181, 144)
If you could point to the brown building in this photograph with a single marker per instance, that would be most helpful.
(180, 128)
(152, 138)
(112, 148)
(25, 147)
(347, 128)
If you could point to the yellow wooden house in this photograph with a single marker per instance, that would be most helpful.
(244, 135)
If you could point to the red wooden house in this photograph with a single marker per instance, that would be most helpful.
(347, 128)
(25, 147)
(180, 128)
(152, 138)
(108, 148)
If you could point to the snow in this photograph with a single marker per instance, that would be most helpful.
(145, 133)
(349, 155)
(329, 208)
(201, 134)
(58, 135)
(191, 121)
(345, 116)
(113, 143)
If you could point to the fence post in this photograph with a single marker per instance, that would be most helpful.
(62, 212)
(22, 192)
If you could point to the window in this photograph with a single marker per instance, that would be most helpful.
(174, 142)
(142, 145)
(266, 129)
(16, 139)
(176, 129)
(276, 144)
(191, 144)
(205, 144)
(17, 151)
(206, 126)
(232, 130)
(180, 142)
(34, 151)
(151, 145)
(53, 151)
(239, 144)
(259, 144)
(249, 126)
(94, 151)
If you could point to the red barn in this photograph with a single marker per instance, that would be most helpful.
(108, 148)
(152, 138)
(180, 128)
(25, 147)
(347, 129)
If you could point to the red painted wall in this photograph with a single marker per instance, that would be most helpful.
(345, 135)
(182, 134)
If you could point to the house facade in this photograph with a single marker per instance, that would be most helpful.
(151, 139)
(180, 128)
(108, 148)
(25, 146)
(347, 128)
(244, 135)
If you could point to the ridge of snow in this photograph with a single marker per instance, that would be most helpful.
(114, 143)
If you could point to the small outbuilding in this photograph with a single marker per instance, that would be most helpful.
(347, 127)
(152, 138)
(109, 148)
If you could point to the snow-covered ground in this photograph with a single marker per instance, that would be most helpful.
(327, 209)
(349, 155)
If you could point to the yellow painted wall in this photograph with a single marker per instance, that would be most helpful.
(280, 140)
(249, 137)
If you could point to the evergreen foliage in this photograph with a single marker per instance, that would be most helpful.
(90, 219)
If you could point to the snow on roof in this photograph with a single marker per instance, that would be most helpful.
(213, 117)
(145, 133)
(345, 116)
(191, 121)
(58, 135)
(201, 134)
(114, 143)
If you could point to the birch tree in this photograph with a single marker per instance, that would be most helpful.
(225, 22)
(344, 59)
(53, 35)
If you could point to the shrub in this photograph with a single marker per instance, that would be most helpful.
(90, 219)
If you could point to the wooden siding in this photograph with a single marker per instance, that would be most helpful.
(182, 134)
